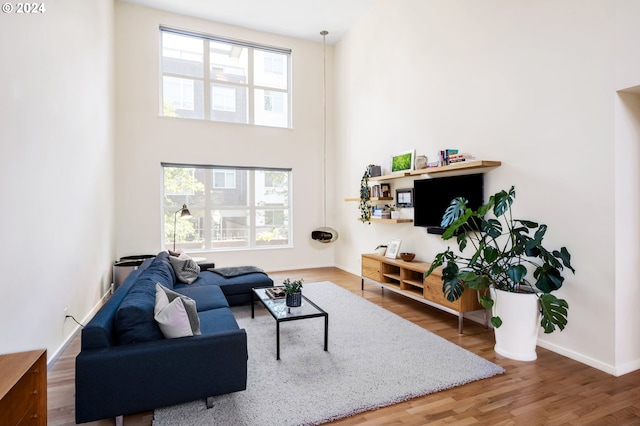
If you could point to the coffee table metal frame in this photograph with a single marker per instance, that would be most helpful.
(281, 313)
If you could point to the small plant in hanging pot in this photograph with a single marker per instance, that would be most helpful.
(293, 292)
(365, 196)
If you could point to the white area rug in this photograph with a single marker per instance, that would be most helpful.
(375, 358)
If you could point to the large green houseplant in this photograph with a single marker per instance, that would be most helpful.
(506, 254)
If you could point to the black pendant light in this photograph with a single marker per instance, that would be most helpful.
(324, 234)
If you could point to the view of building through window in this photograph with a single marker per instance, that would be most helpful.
(230, 208)
(210, 78)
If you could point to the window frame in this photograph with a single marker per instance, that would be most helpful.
(254, 106)
(205, 224)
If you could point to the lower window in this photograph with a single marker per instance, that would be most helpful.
(230, 207)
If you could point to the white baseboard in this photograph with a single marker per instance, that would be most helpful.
(607, 368)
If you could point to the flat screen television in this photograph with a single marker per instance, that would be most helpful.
(433, 196)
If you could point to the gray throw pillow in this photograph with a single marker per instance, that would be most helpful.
(185, 268)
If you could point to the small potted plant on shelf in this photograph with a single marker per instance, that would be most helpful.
(293, 292)
(395, 213)
(381, 249)
(505, 253)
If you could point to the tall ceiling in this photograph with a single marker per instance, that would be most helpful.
(293, 18)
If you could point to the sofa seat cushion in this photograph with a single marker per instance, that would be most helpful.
(206, 297)
(217, 320)
(235, 285)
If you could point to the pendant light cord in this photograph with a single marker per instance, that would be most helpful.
(324, 119)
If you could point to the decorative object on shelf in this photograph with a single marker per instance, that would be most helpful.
(365, 197)
(293, 291)
(393, 249)
(184, 214)
(404, 197)
(421, 162)
(504, 249)
(324, 234)
(385, 190)
(375, 171)
(393, 211)
(381, 249)
(403, 161)
(407, 257)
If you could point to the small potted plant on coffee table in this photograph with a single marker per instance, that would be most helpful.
(293, 291)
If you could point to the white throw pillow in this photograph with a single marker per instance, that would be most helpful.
(175, 314)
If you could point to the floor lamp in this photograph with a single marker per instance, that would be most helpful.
(185, 214)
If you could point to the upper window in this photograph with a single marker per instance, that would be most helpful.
(230, 207)
(212, 78)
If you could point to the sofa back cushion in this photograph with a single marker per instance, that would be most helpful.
(100, 331)
(134, 318)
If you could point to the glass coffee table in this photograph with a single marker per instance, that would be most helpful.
(281, 313)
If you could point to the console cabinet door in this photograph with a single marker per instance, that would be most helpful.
(433, 292)
(372, 269)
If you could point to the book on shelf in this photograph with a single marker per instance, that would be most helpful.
(460, 158)
(381, 212)
(452, 156)
(276, 293)
(445, 154)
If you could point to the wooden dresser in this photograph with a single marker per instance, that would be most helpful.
(23, 388)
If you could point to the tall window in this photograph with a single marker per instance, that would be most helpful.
(230, 207)
(213, 78)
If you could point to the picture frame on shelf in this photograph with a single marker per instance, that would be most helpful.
(393, 249)
(403, 161)
(385, 190)
(404, 197)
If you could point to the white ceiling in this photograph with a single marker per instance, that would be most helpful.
(293, 18)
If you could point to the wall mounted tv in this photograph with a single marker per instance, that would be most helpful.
(433, 196)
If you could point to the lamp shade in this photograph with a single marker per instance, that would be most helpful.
(186, 214)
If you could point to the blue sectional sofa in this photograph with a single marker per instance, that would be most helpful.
(126, 365)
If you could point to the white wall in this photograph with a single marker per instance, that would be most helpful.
(56, 126)
(627, 149)
(627, 231)
(528, 83)
(144, 140)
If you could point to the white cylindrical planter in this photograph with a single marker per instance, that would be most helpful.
(517, 337)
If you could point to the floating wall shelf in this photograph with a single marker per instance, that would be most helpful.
(457, 167)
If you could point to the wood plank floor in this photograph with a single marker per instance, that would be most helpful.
(553, 390)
